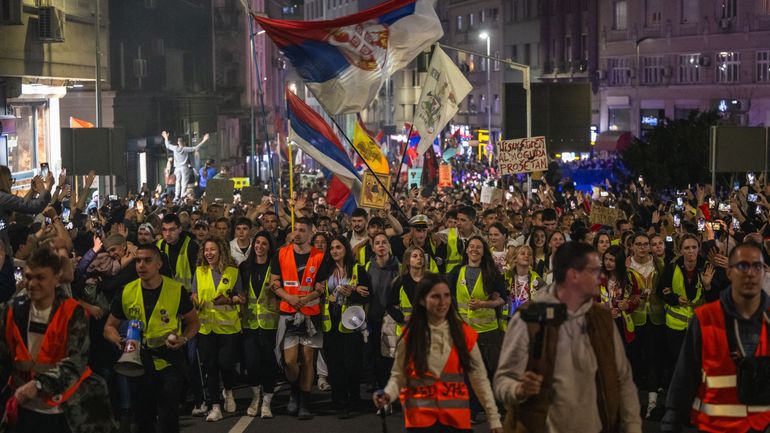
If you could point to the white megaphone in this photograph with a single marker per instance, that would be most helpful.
(130, 363)
(354, 319)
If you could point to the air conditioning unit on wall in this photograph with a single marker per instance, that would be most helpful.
(50, 24)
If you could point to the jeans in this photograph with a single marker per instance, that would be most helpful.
(182, 180)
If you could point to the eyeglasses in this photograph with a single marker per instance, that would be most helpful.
(746, 266)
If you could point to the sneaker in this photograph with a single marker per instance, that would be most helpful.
(323, 384)
(215, 414)
(266, 411)
(293, 405)
(200, 410)
(304, 414)
(650, 407)
(229, 401)
(253, 408)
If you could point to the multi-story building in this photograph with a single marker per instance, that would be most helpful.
(47, 56)
(467, 25)
(664, 59)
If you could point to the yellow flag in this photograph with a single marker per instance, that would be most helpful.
(369, 149)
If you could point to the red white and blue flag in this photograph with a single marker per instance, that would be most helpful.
(345, 61)
(315, 137)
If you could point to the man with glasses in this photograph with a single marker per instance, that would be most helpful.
(580, 382)
(706, 386)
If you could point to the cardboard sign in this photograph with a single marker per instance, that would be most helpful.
(414, 177)
(445, 176)
(252, 194)
(605, 216)
(372, 194)
(220, 189)
(491, 195)
(522, 155)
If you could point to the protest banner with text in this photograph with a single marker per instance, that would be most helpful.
(522, 155)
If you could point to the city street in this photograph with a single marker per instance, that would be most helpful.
(325, 420)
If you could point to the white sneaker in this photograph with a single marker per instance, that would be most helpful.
(650, 407)
(229, 401)
(323, 384)
(200, 410)
(266, 411)
(215, 414)
(253, 408)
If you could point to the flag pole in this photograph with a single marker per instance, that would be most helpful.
(376, 177)
(291, 179)
(403, 158)
(261, 97)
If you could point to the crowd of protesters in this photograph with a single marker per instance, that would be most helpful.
(231, 292)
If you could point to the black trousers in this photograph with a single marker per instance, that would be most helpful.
(648, 356)
(259, 358)
(674, 341)
(344, 358)
(35, 422)
(158, 399)
(489, 346)
(380, 365)
(219, 355)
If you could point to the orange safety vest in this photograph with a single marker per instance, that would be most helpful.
(52, 350)
(430, 399)
(293, 285)
(716, 407)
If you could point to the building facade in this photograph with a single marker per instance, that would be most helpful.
(467, 25)
(665, 59)
(47, 56)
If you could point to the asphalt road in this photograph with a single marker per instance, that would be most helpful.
(325, 420)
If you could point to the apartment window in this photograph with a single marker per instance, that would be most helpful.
(652, 12)
(471, 63)
(619, 71)
(483, 103)
(652, 70)
(496, 64)
(471, 20)
(535, 61)
(482, 16)
(471, 104)
(568, 49)
(584, 46)
(514, 51)
(728, 67)
(494, 14)
(621, 15)
(459, 23)
(484, 61)
(728, 8)
(689, 10)
(496, 104)
(527, 13)
(689, 68)
(513, 11)
(763, 66)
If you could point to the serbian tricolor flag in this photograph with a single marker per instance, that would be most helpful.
(316, 138)
(345, 61)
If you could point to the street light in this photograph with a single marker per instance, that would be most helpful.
(485, 35)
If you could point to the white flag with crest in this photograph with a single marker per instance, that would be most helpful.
(444, 89)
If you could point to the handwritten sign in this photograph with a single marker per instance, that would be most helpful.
(522, 155)
(491, 195)
(252, 194)
(605, 216)
(220, 189)
(445, 176)
(372, 194)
